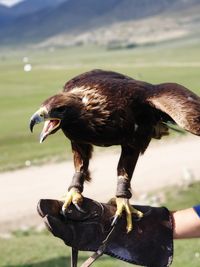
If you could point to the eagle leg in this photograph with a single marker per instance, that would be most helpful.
(82, 153)
(125, 168)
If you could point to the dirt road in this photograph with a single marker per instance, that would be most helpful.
(164, 163)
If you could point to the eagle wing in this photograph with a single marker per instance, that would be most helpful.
(179, 103)
(182, 105)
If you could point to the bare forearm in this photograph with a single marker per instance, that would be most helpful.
(186, 224)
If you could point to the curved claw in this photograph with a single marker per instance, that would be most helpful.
(64, 210)
(79, 208)
(74, 197)
(115, 220)
(124, 205)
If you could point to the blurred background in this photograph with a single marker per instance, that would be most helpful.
(45, 43)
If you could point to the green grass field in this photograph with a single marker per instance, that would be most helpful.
(33, 249)
(22, 92)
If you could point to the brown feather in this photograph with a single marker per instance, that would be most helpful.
(179, 103)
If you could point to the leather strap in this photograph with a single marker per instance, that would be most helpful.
(74, 257)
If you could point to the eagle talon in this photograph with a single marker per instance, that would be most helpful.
(64, 211)
(79, 208)
(124, 205)
(115, 220)
(72, 197)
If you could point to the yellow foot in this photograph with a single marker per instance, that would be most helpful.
(73, 196)
(124, 205)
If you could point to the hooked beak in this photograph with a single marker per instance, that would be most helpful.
(37, 117)
(50, 126)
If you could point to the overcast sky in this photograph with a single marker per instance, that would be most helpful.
(9, 2)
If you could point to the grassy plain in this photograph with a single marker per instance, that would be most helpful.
(33, 249)
(22, 92)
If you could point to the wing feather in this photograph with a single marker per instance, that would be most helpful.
(182, 105)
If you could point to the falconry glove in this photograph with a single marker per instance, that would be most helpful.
(150, 243)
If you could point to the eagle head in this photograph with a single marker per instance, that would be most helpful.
(54, 112)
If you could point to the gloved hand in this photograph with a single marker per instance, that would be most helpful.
(150, 243)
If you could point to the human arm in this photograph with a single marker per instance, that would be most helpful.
(186, 223)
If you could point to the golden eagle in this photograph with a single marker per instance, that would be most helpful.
(106, 108)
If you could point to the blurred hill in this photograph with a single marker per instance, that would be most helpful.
(5, 15)
(31, 6)
(110, 22)
(26, 7)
